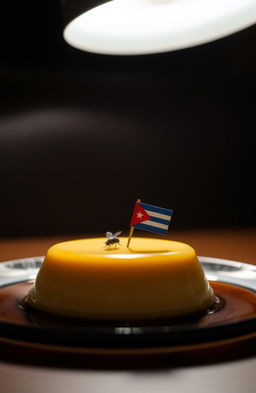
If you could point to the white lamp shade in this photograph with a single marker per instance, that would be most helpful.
(130, 27)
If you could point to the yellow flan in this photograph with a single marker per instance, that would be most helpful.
(152, 278)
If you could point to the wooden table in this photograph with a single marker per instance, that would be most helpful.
(238, 245)
(226, 375)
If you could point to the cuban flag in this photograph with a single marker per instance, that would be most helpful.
(151, 218)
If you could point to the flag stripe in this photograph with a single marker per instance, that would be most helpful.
(154, 214)
(156, 209)
(155, 224)
(160, 220)
(150, 228)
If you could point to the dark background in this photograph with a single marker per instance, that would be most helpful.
(82, 136)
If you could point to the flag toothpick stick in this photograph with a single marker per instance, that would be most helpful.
(130, 236)
(131, 230)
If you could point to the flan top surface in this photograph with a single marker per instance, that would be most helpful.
(141, 250)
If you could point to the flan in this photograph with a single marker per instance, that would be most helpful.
(153, 278)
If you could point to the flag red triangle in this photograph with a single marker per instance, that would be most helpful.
(139, 215)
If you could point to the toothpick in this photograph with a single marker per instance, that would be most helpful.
(132, 229)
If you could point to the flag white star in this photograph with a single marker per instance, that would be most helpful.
(139, 215)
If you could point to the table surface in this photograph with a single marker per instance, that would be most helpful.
(234, 375)
(236, 244)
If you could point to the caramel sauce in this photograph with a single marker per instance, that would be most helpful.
(232, 304)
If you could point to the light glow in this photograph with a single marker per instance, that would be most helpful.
(133, 256)
(130, 27)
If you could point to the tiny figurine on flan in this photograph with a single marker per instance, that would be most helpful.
(142, 279)
(112, 239)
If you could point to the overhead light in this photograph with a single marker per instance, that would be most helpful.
(131, 27)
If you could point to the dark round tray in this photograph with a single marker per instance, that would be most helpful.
(234, 283)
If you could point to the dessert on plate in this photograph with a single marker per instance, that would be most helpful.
(152, 278)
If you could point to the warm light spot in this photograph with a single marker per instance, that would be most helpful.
(133, 256)
(129, 27)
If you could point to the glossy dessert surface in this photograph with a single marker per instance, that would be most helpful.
(152, 278)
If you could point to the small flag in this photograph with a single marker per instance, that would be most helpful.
(151, 218)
